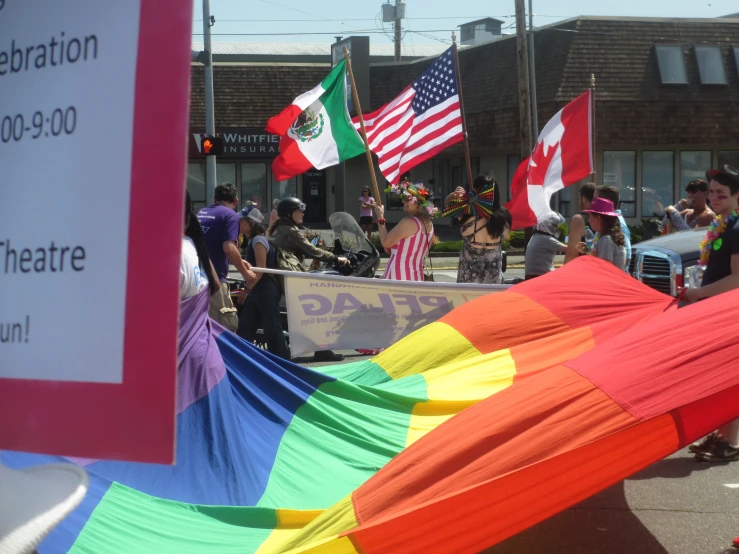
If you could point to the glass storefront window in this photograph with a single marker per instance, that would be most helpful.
(619, 170)
(693, 165)
(225, 173)
(728, 157)
(657, 183)
(254, 184)
(196, 184)
(512, 162)
(281, 189)
(442, 182)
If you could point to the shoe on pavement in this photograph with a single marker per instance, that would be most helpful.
(327, 356)
(722, 451)
(705, 445)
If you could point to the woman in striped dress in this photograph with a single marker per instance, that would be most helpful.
(410, 240)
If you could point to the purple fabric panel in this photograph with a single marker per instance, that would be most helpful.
(200, 366)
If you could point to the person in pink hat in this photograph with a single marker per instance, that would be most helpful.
(610, 244)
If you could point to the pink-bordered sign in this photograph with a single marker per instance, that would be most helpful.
(134, 419)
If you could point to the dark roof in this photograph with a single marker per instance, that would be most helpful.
(632, 107)
(483, 20)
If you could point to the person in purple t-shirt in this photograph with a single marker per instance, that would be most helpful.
(220, 225)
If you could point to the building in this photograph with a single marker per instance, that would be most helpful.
(667, 108)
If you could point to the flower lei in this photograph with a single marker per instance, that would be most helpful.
(414, 193)
(713, 240)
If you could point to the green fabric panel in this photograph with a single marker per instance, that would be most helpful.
(365, 372)
(348, 142)
(339, 439)
(163, 526)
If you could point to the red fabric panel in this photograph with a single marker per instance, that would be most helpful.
(700, 418)
(469, 520)
(535, 419)
(521, 213)
(589, 291)
(671, 361)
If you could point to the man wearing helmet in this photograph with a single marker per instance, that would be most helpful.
(288, 238)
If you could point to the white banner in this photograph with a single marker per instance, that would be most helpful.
(326, 312)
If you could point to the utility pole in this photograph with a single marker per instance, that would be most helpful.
(524, 94)
(532, 72)
(398, 16)
(210, 123)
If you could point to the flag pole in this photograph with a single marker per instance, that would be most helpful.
(592, 122)
(355, 96)
(461, 109)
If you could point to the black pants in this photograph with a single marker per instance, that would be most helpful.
(262, 310)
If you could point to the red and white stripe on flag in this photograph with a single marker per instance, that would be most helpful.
(563, 155)
(421, 122)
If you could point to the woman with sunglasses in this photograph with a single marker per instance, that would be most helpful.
(366, 203)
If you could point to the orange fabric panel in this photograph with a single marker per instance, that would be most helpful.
(548, 352)
(536, 418)
(468, 520)
(525, 321)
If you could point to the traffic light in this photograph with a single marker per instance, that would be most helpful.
(211, 146)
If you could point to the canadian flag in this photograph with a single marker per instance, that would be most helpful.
(563, 156)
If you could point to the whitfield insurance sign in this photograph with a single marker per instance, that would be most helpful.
(241, 143)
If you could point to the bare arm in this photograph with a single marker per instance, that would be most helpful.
(577, 230)
(730, 282)
(234, 258)
(405, 228)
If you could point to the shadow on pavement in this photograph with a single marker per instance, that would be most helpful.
(602, 524)
(674, 468)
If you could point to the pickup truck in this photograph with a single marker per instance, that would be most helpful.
(665, 263)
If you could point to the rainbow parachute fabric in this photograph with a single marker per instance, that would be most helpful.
(435, 445)
(474, 202)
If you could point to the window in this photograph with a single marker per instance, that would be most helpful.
(279, 190)
(512, 163)
(196, 184)
(657, 182)
(253, 184)
(710, 65)
(736, 57)
(442, 182)
(225, 173)
(475, 164)
(671, 63)
(728, 157)
(693, 165)
(619, 170)
(468, 33)
(565, 206)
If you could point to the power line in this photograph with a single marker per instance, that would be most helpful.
(361, 31)
(342, 20)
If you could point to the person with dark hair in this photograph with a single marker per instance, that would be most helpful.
(690, 212)
(294, 247)
(543, 247)
(612, 193)
(611, 244)
(720, 257)
(196, 271)
(262, 299)
(579, 223)
(221, 229)
(484, 225)
(366, 203)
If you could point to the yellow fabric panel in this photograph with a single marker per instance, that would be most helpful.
(417, 352)
(455, 386)
(289, 523)
(320, 535)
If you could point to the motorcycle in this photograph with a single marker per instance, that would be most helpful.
(350, 242)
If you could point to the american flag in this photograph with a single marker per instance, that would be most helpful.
(421, 122)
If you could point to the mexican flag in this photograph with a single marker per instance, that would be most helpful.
(316, 129)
